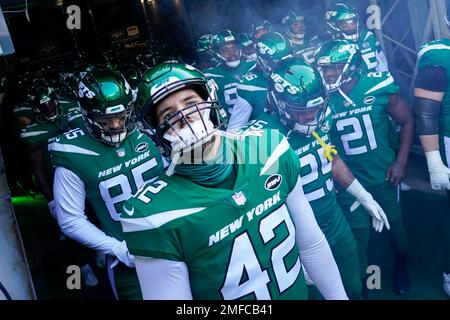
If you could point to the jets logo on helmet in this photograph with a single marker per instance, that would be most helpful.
(281, 84)
(84, 91)
(273, 47)
(264, 49)
(351, 48)
(330, 14)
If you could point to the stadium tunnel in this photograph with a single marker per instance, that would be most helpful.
(159, 30)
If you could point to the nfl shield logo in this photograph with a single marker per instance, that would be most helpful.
(239, 198)
(121, 153)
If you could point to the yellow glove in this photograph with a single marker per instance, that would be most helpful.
(329, 151)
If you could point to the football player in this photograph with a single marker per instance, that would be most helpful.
(361, 104)
(248, 47)
(302, 43)
(53, 115)
(300, 111)
(343, 23)
(204, 57)
(432, 108)
(227, 74)
(104, 162)
(232, 221)
(252, 87)
(259, 28)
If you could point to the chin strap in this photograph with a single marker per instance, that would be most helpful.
(329, 151)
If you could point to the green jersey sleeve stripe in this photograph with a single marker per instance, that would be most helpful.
(32, 134)
(432, 47)
(251, 69)
(382, 84)
(54, 146)
(15, 110)
(250, 88)
(156, 220)
(75, 117)
(212, 75)
(277, 153)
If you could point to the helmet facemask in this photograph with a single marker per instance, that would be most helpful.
(265, 65)
(259, 32)
(349, 29)
(296, 30)
(337, 73)
(303, 119)
(46, 105)
(49, 109)
(111, 127)
(250, 52)
(333, 75)
(191, 127)
(230, 53)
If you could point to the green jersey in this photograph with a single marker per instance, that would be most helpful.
(252, 87)
(305, 49)
(40, 131)
(370, 50)
(110, 174)
(226, 79)
(315, 171)
(226, 237)
(437, 53)
(361, 127)
(23, 109)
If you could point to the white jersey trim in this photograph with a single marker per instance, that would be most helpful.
(382, 84)
(32, 134)
(54, 146)
(432, 47)
(250, 88)
(156, 220)
(277, 153)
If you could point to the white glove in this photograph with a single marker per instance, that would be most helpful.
(363, 197)
(439, 173)
(52, 208)
(122, 253)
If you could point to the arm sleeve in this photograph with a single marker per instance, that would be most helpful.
(69, 194)
(162, 279)
(315, 253)
(431, 78)
(382, 61)
(242, 111)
